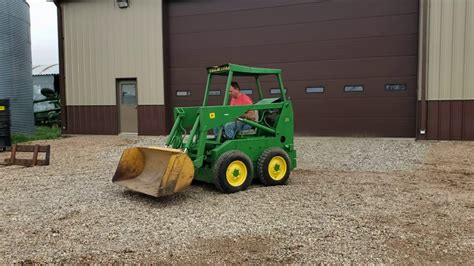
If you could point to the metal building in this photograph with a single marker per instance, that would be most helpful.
(15, 63)
(352, 68)
(44, 76)
(446, 67)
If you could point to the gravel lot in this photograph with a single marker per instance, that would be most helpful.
(349, 201)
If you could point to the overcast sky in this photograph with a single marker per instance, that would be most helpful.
(44, 33)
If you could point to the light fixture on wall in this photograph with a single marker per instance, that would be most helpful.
(122, 3)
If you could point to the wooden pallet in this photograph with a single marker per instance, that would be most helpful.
(35, 149)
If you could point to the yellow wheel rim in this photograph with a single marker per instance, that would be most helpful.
(236, 173)
(277, 168)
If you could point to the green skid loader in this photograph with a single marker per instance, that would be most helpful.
(266, 152)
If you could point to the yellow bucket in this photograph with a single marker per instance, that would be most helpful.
(154, 171)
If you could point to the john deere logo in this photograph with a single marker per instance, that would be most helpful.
(218, 69)
(2, 108)
(212, 115)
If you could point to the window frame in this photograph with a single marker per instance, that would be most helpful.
(247, 89)
(353, 85)
(188, 93)
(314, 92)
(212, 94)
(278, 91)
(396, 84)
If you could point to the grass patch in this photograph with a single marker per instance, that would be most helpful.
(40, 133)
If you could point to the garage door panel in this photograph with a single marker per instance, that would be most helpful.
(325, 30)
(356, 127)
(355, 107)
(314, 51)
(374, 87)
(332, 88)
(182, 8)
(217, 84)
(347, 106)
(188, 8)
(289, 13)
(198, 94)
(367, 117)
(350, 68)
(183, 102)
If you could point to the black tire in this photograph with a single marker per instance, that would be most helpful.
(262, 167)
(220, 171)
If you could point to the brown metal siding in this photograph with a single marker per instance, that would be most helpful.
(468, 117)
(456, 118)
(449, 120)
(103, 120)
(100, 120)
(151, 120)
(316, 43)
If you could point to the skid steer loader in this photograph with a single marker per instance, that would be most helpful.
(266, 153)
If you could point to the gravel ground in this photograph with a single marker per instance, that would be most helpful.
(359, 154)
(349, 201)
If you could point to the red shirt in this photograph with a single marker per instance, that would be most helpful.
(243, 99)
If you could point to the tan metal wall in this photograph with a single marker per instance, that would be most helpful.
(449, 29)
(103, 42)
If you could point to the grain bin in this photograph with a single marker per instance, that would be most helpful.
(15, 63)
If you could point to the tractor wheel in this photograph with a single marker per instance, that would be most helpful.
(273, 167)
(233, 172)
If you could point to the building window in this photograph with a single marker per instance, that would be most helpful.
(247, 91)
(354, 88)
(395, 87)
(316, 89)
(276, 90)
(183, 93)
(215, 92)
(129, 94)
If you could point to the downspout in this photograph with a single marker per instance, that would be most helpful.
(62, 77)
(422, 67)
(169, 114)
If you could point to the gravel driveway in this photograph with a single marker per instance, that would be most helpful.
(350, 201)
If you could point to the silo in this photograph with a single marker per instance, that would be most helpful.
(15, 63)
